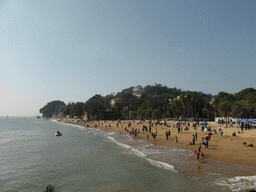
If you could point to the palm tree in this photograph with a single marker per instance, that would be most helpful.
(225, 109)
(238, 110)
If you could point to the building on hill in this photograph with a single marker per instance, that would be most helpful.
(127, 110)
(112, 108)
(137, 91)
(113, 101)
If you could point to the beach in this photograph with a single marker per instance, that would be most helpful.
(225, 148)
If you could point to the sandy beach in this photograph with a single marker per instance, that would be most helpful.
(226, 148)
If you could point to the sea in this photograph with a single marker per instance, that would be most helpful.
(89, 159)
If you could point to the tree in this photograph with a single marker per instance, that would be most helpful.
(96, 107)
(77, 109)
(133, 114)
(238, 110)
(65, 109)
(142, 114)
(225, 109)
(52, 108)
(245, 93)
(148, 114)
(245, 108)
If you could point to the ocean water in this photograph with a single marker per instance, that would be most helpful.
(88, 159)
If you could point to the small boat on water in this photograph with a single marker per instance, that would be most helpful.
(58, 133)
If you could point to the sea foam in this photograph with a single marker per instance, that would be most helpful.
(134, 151)
(238, 183)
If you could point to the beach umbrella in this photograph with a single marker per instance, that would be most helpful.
(205, 123)
(251, 120)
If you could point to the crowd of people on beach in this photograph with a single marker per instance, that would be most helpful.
(150, 129)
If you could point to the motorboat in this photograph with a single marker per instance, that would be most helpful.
(58, 133)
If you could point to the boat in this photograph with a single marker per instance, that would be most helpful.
(58, 133)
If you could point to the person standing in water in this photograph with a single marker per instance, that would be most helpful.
(197, 156)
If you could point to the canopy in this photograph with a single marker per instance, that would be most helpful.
(251, 120)
(203, 123)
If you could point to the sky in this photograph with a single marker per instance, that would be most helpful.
(72, 50)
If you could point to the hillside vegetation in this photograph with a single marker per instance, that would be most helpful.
(157, 102)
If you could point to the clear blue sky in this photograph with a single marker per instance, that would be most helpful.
(72, 50)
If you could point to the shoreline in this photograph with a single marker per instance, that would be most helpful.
(224, 148)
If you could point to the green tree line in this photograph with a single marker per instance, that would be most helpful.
(157, 102)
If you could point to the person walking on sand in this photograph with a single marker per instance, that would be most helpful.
(197, 156)
(166, 134)
(206, 143)
(176, 139)
(156, 131)
(193, 139)
(196, 136)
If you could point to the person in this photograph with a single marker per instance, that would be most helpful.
(193, 139)
(58, 133)
(249, 144)
(189, 143)
(176, 139)
(209, 136)
(234, 134)
(199, 149)
(206, 143)
(242, 127)
(166, 134)
(196, 135)
(221, 132)
(197, 156)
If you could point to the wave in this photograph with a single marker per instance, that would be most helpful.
(246, 178)
(238, 183)
(129, 136)
(134, 151)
